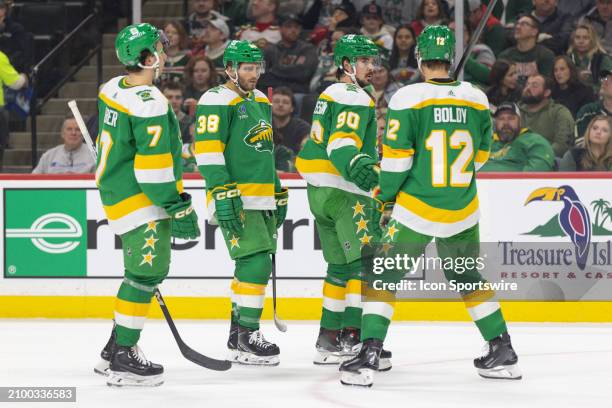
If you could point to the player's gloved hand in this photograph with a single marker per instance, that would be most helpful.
(282, 198)
(380, 214)
(228, 207)
(183, 219)
(362, 172)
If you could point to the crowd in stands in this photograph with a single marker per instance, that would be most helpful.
(545, 66)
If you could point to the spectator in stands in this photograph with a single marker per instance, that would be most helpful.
(265, 30)
(493, 34)
(174, 93)
(216, 40)
(555, 26)
(504, 83)
(403, 61)
(600, 107)
(343, 16)
(575, 8)
(589, 56)
(9, 77)
(195, 25)
(15, 42)
(325, 74)
(596, 152)
(384, 88)
(600, 18)
(289, 130)
(478, 66)
(176, 51)
(373, 27)
(508, 12)
(71, 157)
(200, 76)
(235, 11)
(430, 12)
(530, 57)
(568, 90)
(546, 117)
(517, 148)
(291, 62)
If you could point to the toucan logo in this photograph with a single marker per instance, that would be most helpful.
(39, 234)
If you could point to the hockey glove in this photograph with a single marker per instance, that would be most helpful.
(282, 199)
(381, 214)
(362, 172)
(228, 207)
(183, 219)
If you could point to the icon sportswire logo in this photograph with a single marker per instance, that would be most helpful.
(39, 233)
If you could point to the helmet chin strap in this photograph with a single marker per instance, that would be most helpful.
(352, 75)
(235, 81)
(155, 66)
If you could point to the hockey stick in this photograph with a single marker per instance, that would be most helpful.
(188, 352)
(474, 39)
(280, 325)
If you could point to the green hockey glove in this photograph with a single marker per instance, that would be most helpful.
(183, 219)
(228, 207)
(362, 172)
(282, 198)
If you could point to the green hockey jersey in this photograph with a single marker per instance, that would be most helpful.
(438, 134)
(343, 125)
(234, 144)
(139, 144)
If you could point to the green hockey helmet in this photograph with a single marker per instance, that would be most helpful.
(239, 51)
(436, 43)
(134, 39)
(353, 46)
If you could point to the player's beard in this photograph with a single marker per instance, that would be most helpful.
(247, 85)
(365, 81)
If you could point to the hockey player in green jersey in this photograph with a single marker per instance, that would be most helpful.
(438, 135)
(234, 151)
(339, 164)
(139, 176)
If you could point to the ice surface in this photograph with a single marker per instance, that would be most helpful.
(563, 366)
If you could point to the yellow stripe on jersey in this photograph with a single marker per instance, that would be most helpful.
(179, 187)
(449, 101)
(346, 135)
(333, 291)
(482, 156)
(127, 206)
(113, 104)
(256, 189)
(209, 146)
(392, 153)
(326, 97)
(262, 100)
(315, 166)
(427, 212)
(153, 161)
(235, 101)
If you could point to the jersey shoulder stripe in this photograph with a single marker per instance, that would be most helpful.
(346, 94)
(261, 97)
(417, 96)
(142, 101)
(219, 96)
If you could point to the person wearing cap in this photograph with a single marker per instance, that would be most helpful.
(372, 26)
(493, 33)
(265, 30)
(529, 56)
(216, 40)
(545, 116)
(517, 148)
(323, 22)
(601, 107)
(291, 62)
(195, 24)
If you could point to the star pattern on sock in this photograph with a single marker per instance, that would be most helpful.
(150, 242)
(391, 231)
(152, 226)
(234, 242)
(365, 239)
(362, 225)
(358, 209)
(147, 259)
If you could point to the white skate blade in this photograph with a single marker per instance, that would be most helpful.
(126, 379)
(327, 358)
(254, 360)
(507, 372)
(364, 378)
(232, 355)
(102, 368)
(384, 364)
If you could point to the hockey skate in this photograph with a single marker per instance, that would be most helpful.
(329, 350)
(129, 367)
(254, 349)
(499, 361)
(350, 337)
(232, 343)
(359, 371)
(105, 355)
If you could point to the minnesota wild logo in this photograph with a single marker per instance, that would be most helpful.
(145, 95)
(259, 137)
